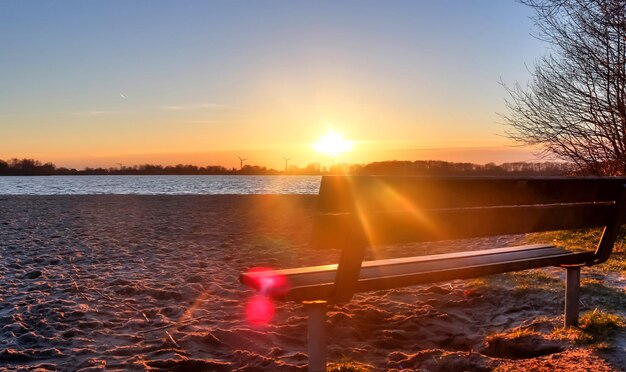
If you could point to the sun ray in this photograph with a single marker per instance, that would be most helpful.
(400, 203)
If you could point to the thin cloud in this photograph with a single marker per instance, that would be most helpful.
(197, 106)
(93, 113)
(201, 121)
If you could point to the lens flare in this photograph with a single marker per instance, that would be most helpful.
(260, 310)
(269, 284)
(267, 281)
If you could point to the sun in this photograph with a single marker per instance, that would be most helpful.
(332, 144)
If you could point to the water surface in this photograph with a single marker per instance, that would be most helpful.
(158, 185)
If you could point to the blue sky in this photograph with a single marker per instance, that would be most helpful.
(95, 82)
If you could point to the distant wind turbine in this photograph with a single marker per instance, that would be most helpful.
(241, 160)
(286, 162)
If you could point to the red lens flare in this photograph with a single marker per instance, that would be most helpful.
(260, 310)
(267, 281)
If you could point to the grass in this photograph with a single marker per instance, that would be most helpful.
(598, 322)
(617, 262)
(596, 328)
(581, 239)
(346, 367)
(533, 279)
(516, 333)
(587, 239)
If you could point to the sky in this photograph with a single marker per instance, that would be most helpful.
(97, 83)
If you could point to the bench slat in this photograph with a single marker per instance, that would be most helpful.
(411, 265)
(325, 290)
(340, 194)
(303, 276)
(442, 224)
(433, 257)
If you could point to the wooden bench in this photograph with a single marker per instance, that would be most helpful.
(357, 212)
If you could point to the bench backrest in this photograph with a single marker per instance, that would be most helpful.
(361, 211)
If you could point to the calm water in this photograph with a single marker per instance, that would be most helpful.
(154, 185)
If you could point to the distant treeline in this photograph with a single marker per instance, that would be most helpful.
(31, 167)
(444, 168)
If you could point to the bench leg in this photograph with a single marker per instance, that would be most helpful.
(316, 337)
(572, 295)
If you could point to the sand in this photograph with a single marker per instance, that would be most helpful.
(151, 283)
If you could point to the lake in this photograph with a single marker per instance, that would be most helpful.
(158, 185)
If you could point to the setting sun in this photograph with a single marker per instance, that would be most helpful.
(333, 144)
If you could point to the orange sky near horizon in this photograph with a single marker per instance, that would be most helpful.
(197, 144)
(275, 158)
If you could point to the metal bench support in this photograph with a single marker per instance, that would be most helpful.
(572, 296)
(316, 325)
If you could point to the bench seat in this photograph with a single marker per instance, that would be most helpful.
(317, 282)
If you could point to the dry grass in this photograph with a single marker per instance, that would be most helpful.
(533, 279)
(347, 367)
(520, 332)
(514, 334)
(585, 240)
(581, 239)
(599, 324)
(595, 329)
(617, 262)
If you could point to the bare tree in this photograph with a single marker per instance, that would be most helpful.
(574, 108)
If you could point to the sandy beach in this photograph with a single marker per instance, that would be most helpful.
(151, 283)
